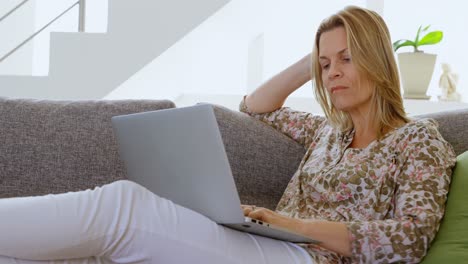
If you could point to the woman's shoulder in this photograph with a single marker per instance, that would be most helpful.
(418, 129)
(422, 136)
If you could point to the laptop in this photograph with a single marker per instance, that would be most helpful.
(179, 154)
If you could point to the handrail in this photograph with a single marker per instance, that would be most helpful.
(82, 16)
(13, 10)
(80, 26)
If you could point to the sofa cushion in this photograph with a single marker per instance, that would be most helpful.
(59, 146)
(451, 242)
(262, 160)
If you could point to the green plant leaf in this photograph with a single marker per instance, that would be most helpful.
(431, 38)
(416, 40)
(426, 28)
(403, 43)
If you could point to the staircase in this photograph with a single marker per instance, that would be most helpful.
(91, 65)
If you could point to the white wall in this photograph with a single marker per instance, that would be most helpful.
(13, 30)
(33, 58)
(290, 32)
(96, 21)
(287, 30)
(210, 59)
(256, 47)
(89, 66)
(214, 58)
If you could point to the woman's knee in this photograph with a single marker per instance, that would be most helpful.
(125, 196)
(126, 186)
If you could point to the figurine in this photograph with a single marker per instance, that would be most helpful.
(448, 84)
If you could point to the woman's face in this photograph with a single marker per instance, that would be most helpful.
(349, 91)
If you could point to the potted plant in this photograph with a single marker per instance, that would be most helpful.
(417, 67)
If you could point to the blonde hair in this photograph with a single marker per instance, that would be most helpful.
(369, 44)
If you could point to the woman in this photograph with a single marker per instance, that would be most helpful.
(372, 185)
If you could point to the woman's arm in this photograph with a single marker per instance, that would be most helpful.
(272, 94)
(265, 104)
(334, 236)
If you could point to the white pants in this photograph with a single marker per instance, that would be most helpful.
(123, 222)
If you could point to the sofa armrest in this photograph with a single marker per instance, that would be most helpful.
(262, 159)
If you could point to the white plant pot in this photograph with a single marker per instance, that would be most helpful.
(416, 69)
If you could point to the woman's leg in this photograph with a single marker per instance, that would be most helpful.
(8, 260)
(123, 222)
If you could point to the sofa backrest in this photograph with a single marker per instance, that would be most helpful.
(262, 160)
(58, 146)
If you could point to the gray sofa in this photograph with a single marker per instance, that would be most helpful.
(59, 146)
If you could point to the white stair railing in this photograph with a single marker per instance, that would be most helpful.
(13, 10)
(81, 23)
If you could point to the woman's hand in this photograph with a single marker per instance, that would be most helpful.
(333, 235)
(270, 217)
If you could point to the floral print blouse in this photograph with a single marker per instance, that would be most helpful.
(391, 195)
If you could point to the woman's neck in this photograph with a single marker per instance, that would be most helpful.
(365, 132)
(363, 138)
(364, 129)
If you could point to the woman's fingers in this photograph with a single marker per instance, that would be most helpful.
(259, 213)
(255, 212)
(268, 216)
(248, 209)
